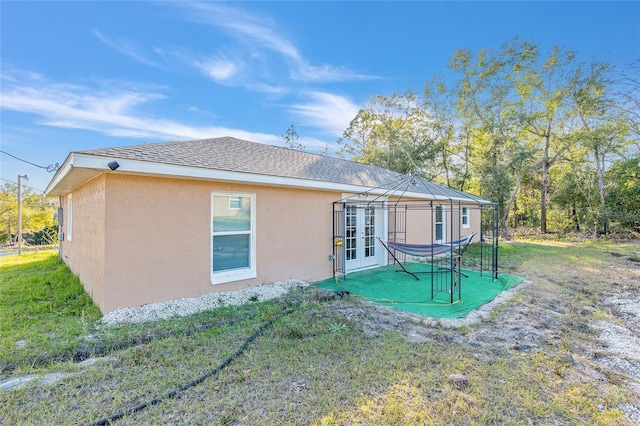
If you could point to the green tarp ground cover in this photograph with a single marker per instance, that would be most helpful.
(403, 292)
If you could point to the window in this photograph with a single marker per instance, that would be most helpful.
(235, 203)
(69, 217)
(233, 248)
(465, 217)
(439, 222)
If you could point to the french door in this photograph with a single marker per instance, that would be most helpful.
(360, 237)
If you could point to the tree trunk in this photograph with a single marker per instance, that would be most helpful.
(446, 166)
(465, 176)
(544, 188)
(504, 230)
(603, 206)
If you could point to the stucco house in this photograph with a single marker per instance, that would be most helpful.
(153, 222)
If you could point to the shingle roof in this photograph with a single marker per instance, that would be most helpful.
(231, 154)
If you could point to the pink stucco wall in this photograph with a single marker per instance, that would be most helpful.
(154, 242)
(85, 253)
(420, 222)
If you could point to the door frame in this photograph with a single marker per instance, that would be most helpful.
(380, 231)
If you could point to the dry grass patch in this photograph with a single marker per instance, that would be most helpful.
(536, 360)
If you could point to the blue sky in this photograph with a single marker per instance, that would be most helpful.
(84, 75)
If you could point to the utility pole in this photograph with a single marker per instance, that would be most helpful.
(20, 177)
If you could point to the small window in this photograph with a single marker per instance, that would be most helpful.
(235, 203)
(465, 217)
(440, 231)
(69, 217)
(233, 247)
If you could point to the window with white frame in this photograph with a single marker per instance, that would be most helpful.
(233, 248)
(439, 222)
(465, 217)
(235, 203)
(69, 217)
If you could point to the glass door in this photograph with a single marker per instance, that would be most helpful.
(351, 234)
(360, 237)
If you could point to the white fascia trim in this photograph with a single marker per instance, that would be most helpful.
(61, 173)
(146, 167)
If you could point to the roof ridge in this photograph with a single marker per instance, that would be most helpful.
(222, 138)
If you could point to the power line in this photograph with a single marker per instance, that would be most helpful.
(26, 186)
(49, 168)
(10, 181)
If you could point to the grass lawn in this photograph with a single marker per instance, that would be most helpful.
(43, 309)
(535, 360)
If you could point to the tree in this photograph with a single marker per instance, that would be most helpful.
(384, 134)
(623, 195)
(544, 98)
(356, 140)
(9, 210)
(37, 212)
(575, 191)
(405, 133)
(448, 158)
(629, 99)
(515, 127)
(291, 139)
(325, 150)
(488, 106)
(602, 132)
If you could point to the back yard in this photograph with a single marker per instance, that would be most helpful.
(563, 347)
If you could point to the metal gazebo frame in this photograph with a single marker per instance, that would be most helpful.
(414, 197)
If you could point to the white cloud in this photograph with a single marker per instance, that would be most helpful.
(326, 111)
(258, 58)
(251, 76)
(219, 69)
(268, 89)
(110, 111)
(126, 48)
(327, 73)
(250, 28)
(259, 32)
